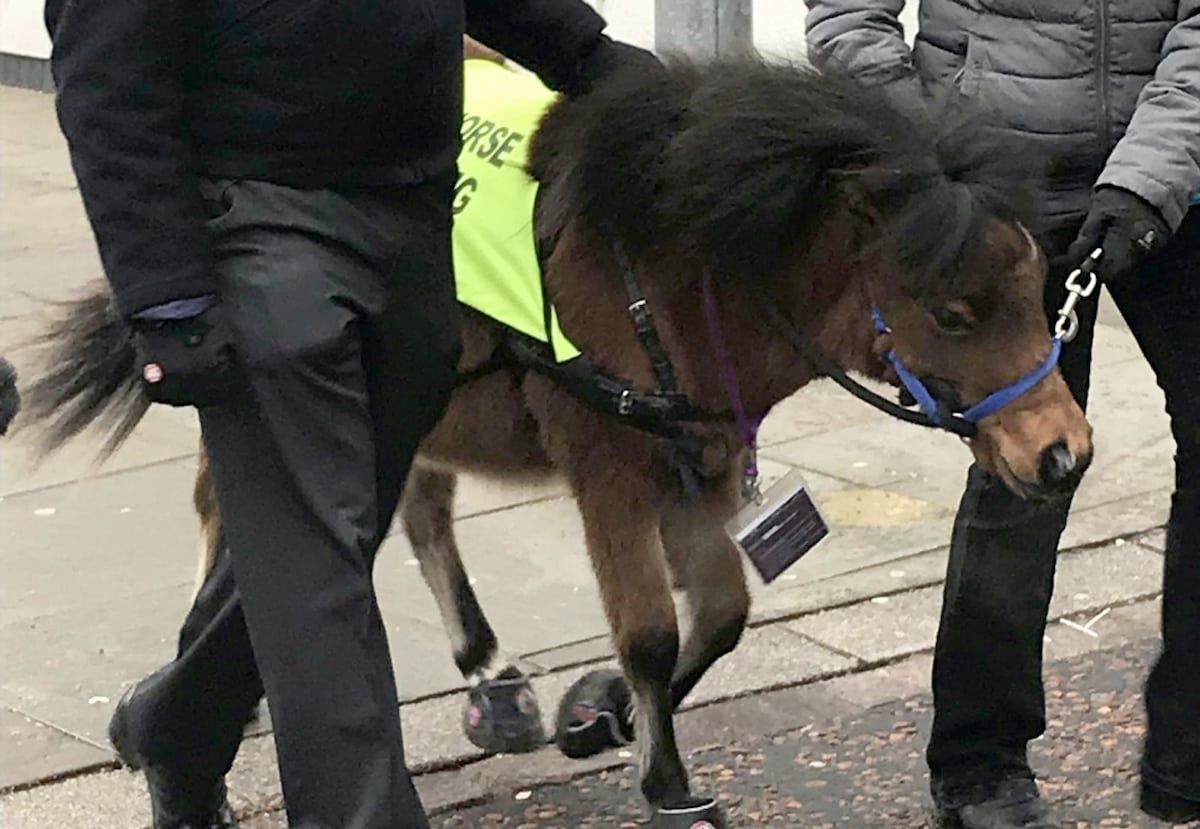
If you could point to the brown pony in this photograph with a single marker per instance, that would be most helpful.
(805, 201)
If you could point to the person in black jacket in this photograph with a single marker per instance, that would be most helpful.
(270, 187)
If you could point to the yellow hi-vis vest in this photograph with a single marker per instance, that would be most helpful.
(496, 266)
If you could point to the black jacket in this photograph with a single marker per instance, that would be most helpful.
(152, 95)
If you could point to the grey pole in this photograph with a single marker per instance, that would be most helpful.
(703, 28)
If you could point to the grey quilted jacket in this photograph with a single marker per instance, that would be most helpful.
(1108, 89)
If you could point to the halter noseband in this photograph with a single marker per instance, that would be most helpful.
(954, 418)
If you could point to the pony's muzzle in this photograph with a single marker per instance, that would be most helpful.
(1060, 470)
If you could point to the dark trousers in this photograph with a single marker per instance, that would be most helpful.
(347, 331)
(987, 676)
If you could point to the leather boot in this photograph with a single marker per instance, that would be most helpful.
(178, 800)
(1007, 804)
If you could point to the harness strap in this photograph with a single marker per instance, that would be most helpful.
(997, 400)
(496, 363)
(827, 368)
(939, 412)
(654, 412)
(643, 323)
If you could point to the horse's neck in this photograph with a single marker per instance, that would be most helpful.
(593, 311)
(767, 367)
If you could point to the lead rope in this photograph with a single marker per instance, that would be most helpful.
(751, 486)
(1066, 327)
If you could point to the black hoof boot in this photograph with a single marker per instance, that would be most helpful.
(502, 715)
(177, 800)
(694, 814)
(1007, 804)
(1168, 807)
(594, 715)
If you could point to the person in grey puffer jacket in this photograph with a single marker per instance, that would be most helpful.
(1108, 93)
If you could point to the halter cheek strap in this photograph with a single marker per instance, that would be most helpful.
(994, 402)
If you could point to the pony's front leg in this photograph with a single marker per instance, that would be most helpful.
(707, 567)
(621, 521)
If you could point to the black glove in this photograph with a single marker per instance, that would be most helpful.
(1125, 226)
(607, 57)
(187, 362)
(10, 400)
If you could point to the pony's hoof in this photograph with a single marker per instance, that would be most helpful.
(693, 814)
(594, 715)
(502, 715)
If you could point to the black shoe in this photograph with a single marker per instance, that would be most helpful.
(178, 801)
(1006, 804)
(1168, 807)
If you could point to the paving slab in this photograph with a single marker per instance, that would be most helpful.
(96, 541)
(1125, 516)
(882, 628)
(1119, 626)
(1091, 580)
(886, 453)
(29, 118)
(159, 438)
(34, 750)
(1155, 540)
(885, 627)
(820, 407)
(767, 658)
(70, 668)
(906, 677)
(898, 575)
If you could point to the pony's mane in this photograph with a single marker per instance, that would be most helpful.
(735, 161)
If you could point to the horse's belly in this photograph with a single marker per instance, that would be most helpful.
(487, 428)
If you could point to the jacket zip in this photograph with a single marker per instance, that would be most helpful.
(1102, 49)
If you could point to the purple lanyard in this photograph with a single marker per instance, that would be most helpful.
(746, 425)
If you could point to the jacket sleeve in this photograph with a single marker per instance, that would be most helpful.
(1159, 156)
(861, 37)
(550, 37)
(119, 96)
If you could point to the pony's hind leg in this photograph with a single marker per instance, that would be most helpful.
(502, 715)
(707, 567)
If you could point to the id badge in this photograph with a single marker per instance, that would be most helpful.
(776, 531)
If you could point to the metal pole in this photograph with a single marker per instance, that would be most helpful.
(703, 28)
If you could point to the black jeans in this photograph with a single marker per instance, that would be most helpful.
(987, 676)
(347, 331)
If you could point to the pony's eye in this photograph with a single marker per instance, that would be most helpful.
(951, 320)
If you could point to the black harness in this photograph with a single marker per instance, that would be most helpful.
(659, 412)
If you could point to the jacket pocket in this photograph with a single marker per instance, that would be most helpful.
(969, 79)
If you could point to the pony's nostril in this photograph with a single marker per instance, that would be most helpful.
(1058, 464)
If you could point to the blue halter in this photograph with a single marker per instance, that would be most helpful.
(989, 405)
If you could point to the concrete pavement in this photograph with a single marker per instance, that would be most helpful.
(97, 562)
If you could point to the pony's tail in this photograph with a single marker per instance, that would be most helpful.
(89, 378)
